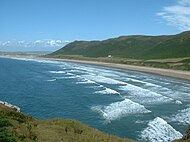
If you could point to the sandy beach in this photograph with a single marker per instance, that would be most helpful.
(185, 75)
(179, 74)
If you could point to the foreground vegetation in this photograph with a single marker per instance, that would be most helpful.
(17, 127)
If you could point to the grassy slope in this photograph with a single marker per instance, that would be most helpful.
(133, 47)
(17, 127)
(134, 50)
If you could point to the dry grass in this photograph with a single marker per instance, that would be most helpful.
(173, 60)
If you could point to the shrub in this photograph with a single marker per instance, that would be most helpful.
(5, 123)
(6, 136)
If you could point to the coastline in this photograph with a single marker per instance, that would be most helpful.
(185, 75)
(46, 60)
(178, 74)
(16, 108)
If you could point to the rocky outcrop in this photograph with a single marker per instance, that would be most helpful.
(10, 106)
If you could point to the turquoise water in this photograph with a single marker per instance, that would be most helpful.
(144, 107)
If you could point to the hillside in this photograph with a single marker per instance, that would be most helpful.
(133, 47)
(17, 127)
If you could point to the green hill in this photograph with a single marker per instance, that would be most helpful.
(18, 127)
(132, 47)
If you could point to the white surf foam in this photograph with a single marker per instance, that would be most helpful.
(34, 60)
(143, 95)
(143, 82)
(10, 106)
(140, 122)
(67, 77)
(156, 80)
(183, 116)
(175, 94)
(68, 73)
(86, 81)
(159, 130)
(63, 66)
(57, 72)
(71, 77)
(76, 71)
(178, 102)
(170, 81)
(108, 74)
(98, 71)
(121, 109)
(51, 80)
(102, 79)
(107, 91)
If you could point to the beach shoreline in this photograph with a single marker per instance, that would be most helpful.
(178, 74)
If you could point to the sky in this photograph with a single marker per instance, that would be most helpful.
(47, 25)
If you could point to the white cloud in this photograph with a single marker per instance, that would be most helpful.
(177, 15)
(45, 44)
(66, 41)
(21, 41)
(55, 42)
(58, 41)
(38, 41)
(6, 43)
(184, 2)
(49, 42)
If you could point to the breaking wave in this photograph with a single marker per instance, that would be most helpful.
(51, 80)
(57, 72)
(121, 109)
(183, 116)
(143, 95)
(107, 91)
(102, 79)
(159, 130)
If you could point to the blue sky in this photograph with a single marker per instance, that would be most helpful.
(50, 24)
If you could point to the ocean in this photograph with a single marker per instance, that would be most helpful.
(129, 104)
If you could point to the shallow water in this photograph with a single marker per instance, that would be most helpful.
(130, 104)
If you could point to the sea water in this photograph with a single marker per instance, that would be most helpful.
(129, 104)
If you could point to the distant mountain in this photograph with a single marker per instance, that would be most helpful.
(135, 47)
